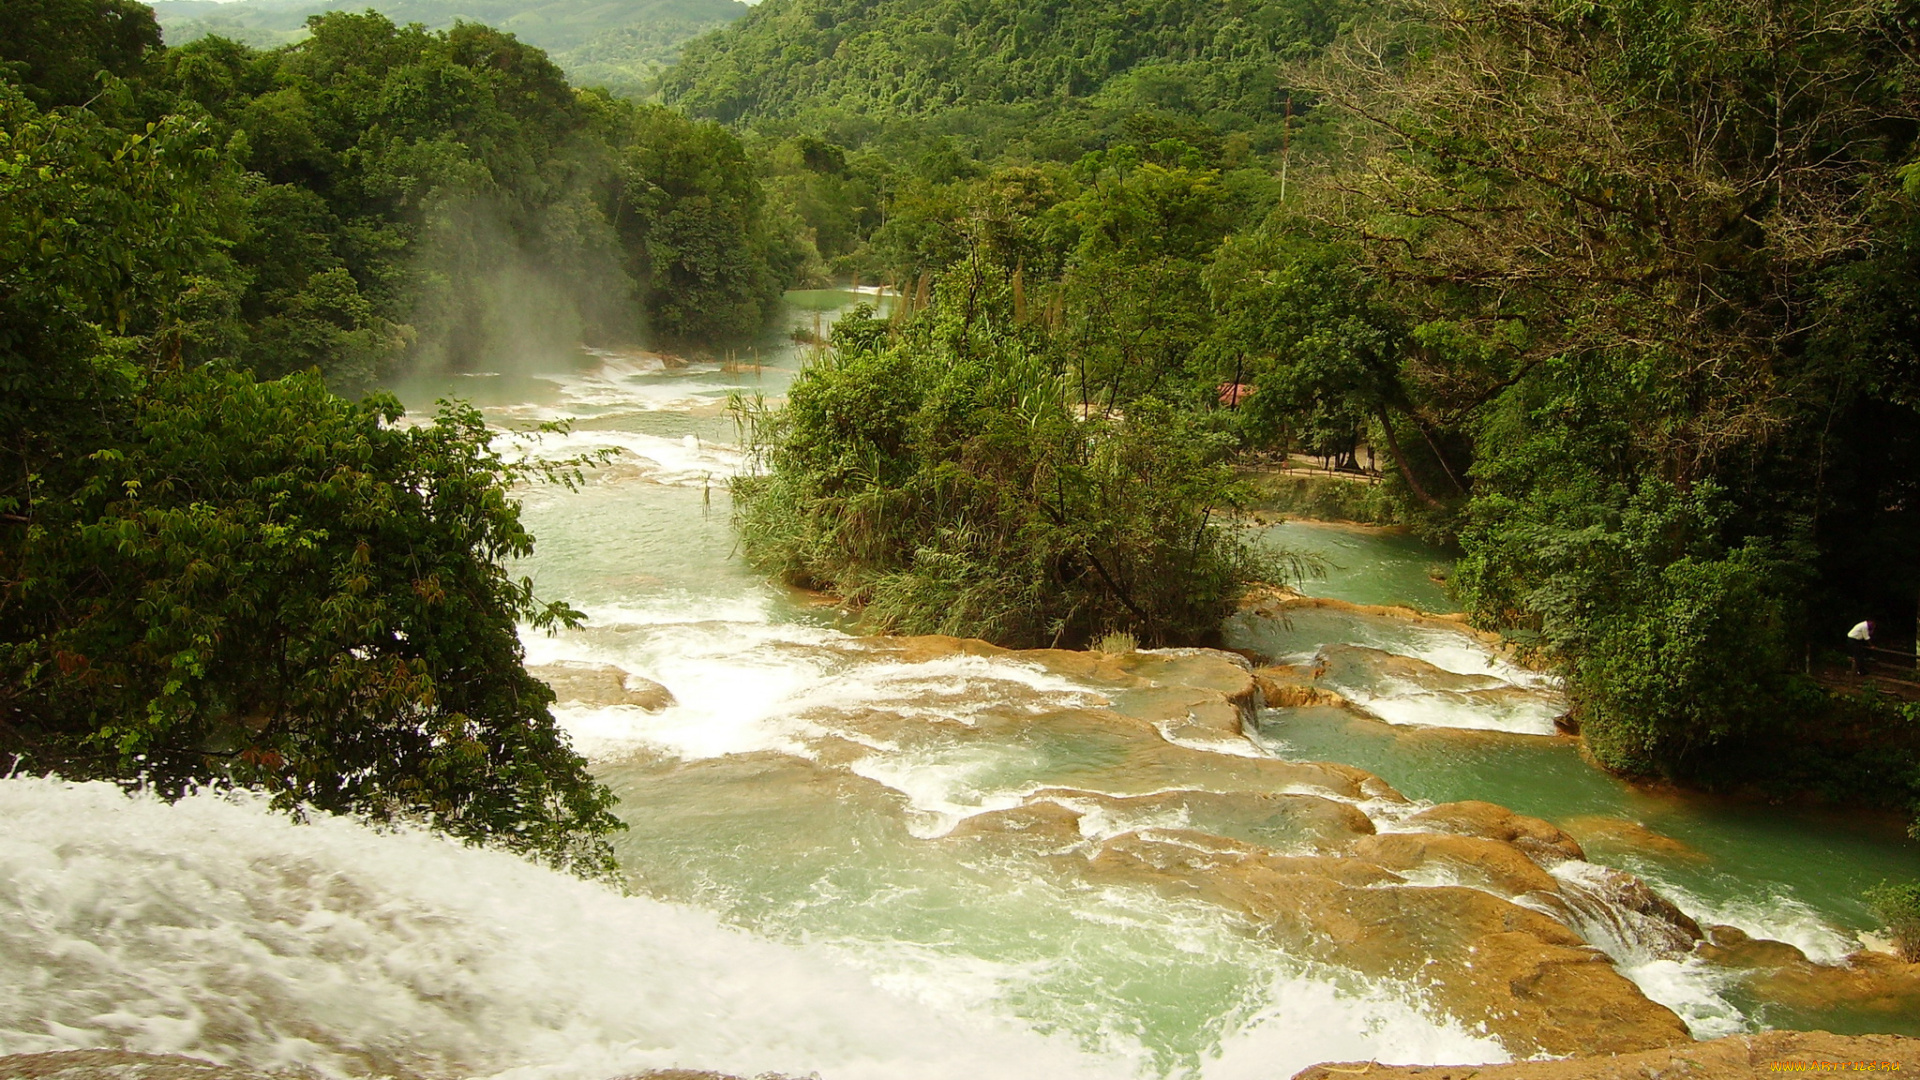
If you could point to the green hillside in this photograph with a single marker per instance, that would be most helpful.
(1044, 79)
(619, 44)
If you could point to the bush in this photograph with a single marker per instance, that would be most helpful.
(940, 481)
(1673, 640)
(1695, 661)
(1898, 907)
(1329, 498)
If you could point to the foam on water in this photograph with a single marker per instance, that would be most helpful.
(1640, 949)
(743, 684)
(1692, 988)
(216, 928)
(1289, 1033)
(1302, 632)
(1209, 740)
(684, 461)
(1772, 915)
(948, 784)
(1400, 703)
(641, 380)
(1502, 697)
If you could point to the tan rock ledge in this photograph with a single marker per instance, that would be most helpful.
(601, 684)
(1772, 1054)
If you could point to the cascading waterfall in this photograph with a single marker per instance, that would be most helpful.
(810, 890)
(217, 928)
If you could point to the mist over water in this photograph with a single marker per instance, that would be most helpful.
(504, 288)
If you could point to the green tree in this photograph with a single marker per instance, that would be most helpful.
(208, 578)
(1134, 303)
(694, 217)
(56, 48)
(1614, 235)
(1008, 78)
(940, 480)
(1325, 350)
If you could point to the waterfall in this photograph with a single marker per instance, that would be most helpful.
(217, 928)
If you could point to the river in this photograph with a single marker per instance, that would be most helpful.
(811, 890)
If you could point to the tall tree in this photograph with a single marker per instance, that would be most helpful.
(57, 48)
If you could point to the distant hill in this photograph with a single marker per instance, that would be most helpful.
(1043, 77)
(619, 44)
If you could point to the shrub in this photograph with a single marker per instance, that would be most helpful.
(1898, 907)
(939, 480)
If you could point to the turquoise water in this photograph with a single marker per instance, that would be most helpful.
(1790, 873)
(1365, 564)
(726, 814)
(796, 903)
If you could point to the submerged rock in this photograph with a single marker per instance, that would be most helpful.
(1533, 982)
(1290, 820)
(1493, 865)
(1775, 971)
(1276, 601)
(1542, 840)
(127, 1065)
(116, 1065)
(1598, 832)
(1134, 770)
(601, 684)
(1290, 847)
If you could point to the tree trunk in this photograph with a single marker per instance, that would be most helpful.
(1400, 459)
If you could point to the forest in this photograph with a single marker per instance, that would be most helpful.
(621, 47)
(1622, 295)
(222, 556)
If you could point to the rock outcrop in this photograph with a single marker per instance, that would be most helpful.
(1868, 982)
(1737, 1057)
(1535, 983)
(1541, 840)
(1455, 901)
(601, 684)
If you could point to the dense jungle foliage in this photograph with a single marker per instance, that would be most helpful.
(1621, 297)
(619, 46)
(212, 567)
(1046, 80)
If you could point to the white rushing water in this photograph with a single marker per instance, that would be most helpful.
(217, 928)
(1419, 674)
(821, 930)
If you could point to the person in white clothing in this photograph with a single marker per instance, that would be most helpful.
(1859, 640)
